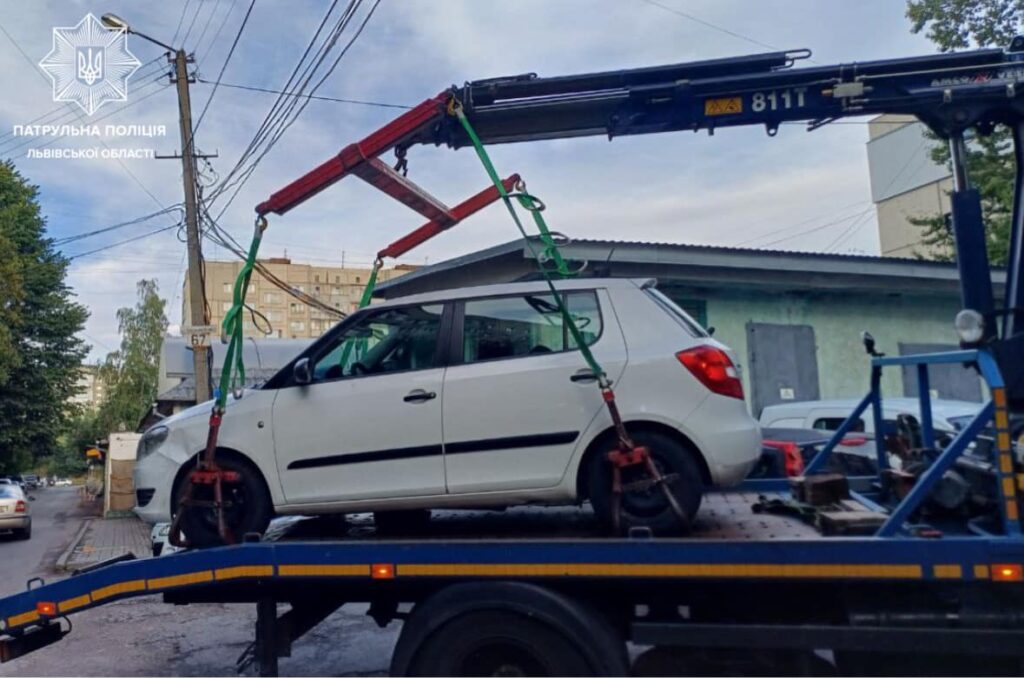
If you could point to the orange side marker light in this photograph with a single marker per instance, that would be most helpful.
(46, 609)
(382, 571)
(1007, 572)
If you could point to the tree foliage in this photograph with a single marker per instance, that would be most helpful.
(131, 372)
(961, 24)
(39, 352)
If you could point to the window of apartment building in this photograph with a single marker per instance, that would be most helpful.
(316, 290)
(335, 290)
(316, 278)
(297, 326)
(337, 278)
(271, 298)
(358, 280)
(225, 306)
(275, 316)
(226, 288)
(294, 307)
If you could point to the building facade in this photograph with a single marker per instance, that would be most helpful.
(288, 318)
(906, 183)
(90, 391)
(793, 319)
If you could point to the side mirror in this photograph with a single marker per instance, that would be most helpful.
(711, 331)
(302, 372)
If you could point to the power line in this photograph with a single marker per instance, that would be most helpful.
(220, 28)
(209, 20)
(224, 66)
(181, 19)
(124, 242)
(114, 227)
(716, 27)
(316, 97)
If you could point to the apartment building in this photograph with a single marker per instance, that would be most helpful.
(906, 183)
(339, 288)
(90, 390)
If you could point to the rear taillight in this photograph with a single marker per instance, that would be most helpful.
(713, 368)
(19, 507)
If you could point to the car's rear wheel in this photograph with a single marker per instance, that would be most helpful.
(24, 533)
(248, 506)
(649, 507)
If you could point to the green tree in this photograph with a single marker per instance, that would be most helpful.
(962, 24)
(131, 372)
(11, 297)
(42, 355)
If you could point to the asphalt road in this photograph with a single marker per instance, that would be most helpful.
(56, 516)
(145, 637)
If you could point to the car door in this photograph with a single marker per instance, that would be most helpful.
(368, 425)
(518, 394)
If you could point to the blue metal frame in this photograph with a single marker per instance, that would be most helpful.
(948, 456)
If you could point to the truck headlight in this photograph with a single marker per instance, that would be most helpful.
(970, 326)
(151, 439)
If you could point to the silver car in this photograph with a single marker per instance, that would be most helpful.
(14, 511)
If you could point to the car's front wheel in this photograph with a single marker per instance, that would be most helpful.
(247, 506)
(649, 506)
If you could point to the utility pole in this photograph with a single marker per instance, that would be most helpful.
(195, 328)
(196, 293)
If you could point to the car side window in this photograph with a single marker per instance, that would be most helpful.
(833, 424)
(525, 325)
(388, 340)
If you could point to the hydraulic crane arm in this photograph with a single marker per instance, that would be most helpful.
(950, 93)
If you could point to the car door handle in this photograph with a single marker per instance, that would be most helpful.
(583, 376)
(419, 396)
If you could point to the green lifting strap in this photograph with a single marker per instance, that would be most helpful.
(233, 373)
(364, 301)
(530, 203)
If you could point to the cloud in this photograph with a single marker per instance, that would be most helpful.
(680, 187)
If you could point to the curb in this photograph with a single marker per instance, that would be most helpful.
(62, 561)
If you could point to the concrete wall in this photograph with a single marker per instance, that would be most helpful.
(838, 320)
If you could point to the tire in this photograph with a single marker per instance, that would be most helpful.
(506, 628)
(649, 508)
(24, 533)
(410, 521)
(251, 508)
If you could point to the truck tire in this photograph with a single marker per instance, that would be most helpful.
(506, 628)
(251, 508)
(649, 508)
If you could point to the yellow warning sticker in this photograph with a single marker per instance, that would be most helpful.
(724, 106)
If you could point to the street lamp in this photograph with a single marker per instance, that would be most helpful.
(114, 21)
(197, 295)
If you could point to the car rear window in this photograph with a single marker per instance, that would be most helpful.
(10, 492)
(672, 308)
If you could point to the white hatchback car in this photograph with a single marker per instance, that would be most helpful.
(473, 397)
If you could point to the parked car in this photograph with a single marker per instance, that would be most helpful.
(32, 481)
(474, 397)
(62, 482)
(14, 511)
(899, 416)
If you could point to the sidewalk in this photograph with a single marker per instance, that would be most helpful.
(100, 539)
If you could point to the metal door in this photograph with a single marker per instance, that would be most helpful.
(948, 382)
(783, 364)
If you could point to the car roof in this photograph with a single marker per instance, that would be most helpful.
(942, 408)
(516, 288)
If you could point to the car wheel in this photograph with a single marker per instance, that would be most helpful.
(649, 508)
(248, 507)
(410, 521)
(24, 533)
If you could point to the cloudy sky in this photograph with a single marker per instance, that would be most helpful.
(806, 191)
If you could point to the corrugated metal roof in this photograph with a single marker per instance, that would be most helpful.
(738, 265)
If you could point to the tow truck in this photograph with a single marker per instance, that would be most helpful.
(919, 593)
